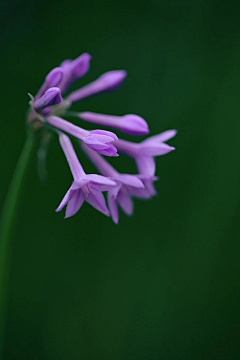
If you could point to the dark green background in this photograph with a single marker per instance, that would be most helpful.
(163, 284)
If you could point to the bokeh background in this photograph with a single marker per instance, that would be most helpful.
(163, 284)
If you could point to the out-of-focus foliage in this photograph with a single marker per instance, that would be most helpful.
(163, 284)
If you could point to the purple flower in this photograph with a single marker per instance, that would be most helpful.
(106, 82)
(84, 187)
(129, 124)
(144, 152)
(98, 140)
(48, 108)
(51, 97)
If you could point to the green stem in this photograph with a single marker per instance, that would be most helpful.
(9, 212)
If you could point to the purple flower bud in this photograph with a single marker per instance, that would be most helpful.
(52, 79)
(51, 97)
(74, 69)
(101, 141)
(129, 124)
(84, 187)
(98, 140)
(112, 79)
(106, 82)
(81, 65)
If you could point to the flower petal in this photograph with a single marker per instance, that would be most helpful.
(65, 200)
(97, 200)
(125, 202)
(164, 136)
(74, 204)
(131, 180)
(152, 149)
(110, 134)
(112, 203)
(140, 193)
(146, 165)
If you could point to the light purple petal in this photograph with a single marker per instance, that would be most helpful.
(164, 136)
(112, 203)
(100, 179)
(65, 200)
(125, 202)
(140, 193)
(151, 149)
(94, 143)
(110, 135)
(100, 182)
(131, 180)
(146, 165)
(149, 185)
(74, 204)
(110, 151)
(78, 184)
(97, 200)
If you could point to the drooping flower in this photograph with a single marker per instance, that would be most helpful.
(48, 109)
(84, 187)
(126, 187)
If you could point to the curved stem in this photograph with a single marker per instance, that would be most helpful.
(8, 216)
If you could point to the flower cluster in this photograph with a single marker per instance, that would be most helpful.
(49, 106)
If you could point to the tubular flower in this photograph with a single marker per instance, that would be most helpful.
(47, 110)
(84, 187)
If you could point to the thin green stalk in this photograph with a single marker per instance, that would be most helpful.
(8, 217)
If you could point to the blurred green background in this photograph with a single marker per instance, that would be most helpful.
(163, 284)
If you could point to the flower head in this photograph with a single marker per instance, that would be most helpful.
(49, 108)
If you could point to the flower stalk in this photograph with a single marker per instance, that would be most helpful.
(8, 216)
